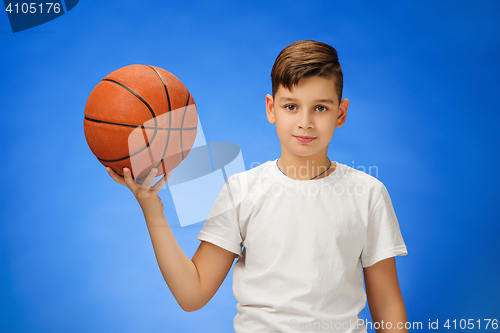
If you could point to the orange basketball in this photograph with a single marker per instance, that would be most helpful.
(140, 117)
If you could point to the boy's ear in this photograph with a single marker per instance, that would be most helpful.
(344, 104)
(270, 109)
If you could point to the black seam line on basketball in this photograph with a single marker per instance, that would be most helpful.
(169, 120)
(165, 86)
(143, 101)
(151, 158)
(182, 124)
(141, 126)
(150, 110)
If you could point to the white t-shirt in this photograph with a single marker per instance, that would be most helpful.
(305, 244)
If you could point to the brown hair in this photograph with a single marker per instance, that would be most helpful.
(306, 58)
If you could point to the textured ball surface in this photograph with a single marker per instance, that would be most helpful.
(140, 117)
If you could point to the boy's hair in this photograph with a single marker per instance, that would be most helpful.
(306, 58)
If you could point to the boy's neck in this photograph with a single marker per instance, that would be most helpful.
(305, 168)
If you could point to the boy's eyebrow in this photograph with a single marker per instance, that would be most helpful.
(289, 99)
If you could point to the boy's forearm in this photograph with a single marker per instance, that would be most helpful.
(394, 314)
(178, 270)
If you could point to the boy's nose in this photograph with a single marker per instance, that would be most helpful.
(306, 120)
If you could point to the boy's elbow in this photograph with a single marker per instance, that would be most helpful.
(187, 307)
(191, 307)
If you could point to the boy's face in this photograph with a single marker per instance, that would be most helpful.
(311, 108)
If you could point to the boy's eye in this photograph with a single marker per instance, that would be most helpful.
(291, 107)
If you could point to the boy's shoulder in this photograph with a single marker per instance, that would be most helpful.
(361, 177)
(251, 174)
(360, 173)
(259, 169)
(262, 174)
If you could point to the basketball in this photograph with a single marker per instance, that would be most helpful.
(140, 117)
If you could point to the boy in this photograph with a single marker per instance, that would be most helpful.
(310, 227)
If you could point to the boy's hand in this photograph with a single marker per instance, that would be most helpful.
(146, 195)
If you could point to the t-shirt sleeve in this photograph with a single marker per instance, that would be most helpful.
(222, 225)
(383, 236)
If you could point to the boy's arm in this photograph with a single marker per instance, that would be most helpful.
(213, 263)
(192, 282)
(384, 296)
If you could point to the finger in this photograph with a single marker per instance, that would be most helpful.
(116, 177)
(149, 179)
(129, 181)
(159, 185)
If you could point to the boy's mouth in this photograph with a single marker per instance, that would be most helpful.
(304, 139)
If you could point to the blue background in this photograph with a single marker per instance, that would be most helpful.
(422, 80)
